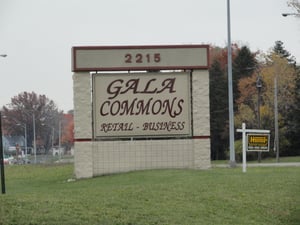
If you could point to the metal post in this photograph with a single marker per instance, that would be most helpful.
(2, 158)
(34, 139)
(290, 14)
(276, 141)
(1, 152)
(52, 141)
(259, 86)
(25, 142)
(59, 139)
(244, 148)
(230, 92)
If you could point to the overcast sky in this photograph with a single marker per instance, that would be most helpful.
(37, 35)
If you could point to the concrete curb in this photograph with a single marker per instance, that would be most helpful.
(280, 164)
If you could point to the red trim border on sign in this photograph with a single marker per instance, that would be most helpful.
(201, 137)
(90, 139)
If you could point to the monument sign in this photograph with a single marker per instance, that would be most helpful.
(140, 107)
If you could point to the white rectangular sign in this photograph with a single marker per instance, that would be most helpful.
(141, 104)
(118, 58)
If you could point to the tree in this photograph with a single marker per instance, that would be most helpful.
(244, 65)
(291, 116)
(294, 4)
(291, 126)
(67, 138)
(220, 54)
(218, 111)
(279, 68)
(247, 102)
(282, 52)
(246, 70)
(294, 120)
(26, 109)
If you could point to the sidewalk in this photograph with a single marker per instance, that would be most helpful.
(280, 164)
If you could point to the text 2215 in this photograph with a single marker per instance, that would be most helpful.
(140, 58)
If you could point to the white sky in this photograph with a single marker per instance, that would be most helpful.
(37, 35)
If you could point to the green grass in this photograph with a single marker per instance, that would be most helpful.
(42, 195)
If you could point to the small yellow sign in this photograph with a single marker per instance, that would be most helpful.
(258, 142)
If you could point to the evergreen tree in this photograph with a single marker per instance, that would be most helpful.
(282, 52)
(218, 111)
(290, 125)
(295, 4)
(293, 130)
(244, 65)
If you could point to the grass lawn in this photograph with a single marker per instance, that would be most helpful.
(39, 194)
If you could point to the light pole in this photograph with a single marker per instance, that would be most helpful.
(290, 14)
(34, 138)
(2, 158)
(1, 152)
(59, 139)
(52, 138)
(276, 140)
(25, 133)
(25, 129)
(258, 86)
(59, 136)
(230, 91)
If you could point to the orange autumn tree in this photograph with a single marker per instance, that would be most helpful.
(247, 102)
(67, 135)
(275, 67)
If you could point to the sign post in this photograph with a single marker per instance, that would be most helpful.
(254, 140)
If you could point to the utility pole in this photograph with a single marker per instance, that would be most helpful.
(2, 158)
(259, 86)
(276, 140)
(34, 137)
(230, 91)
(59, 138)
(1, 151)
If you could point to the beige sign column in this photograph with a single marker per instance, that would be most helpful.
(201, 121)
(83, 125)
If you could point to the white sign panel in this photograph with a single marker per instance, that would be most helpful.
(141, 104)
(113, 58)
